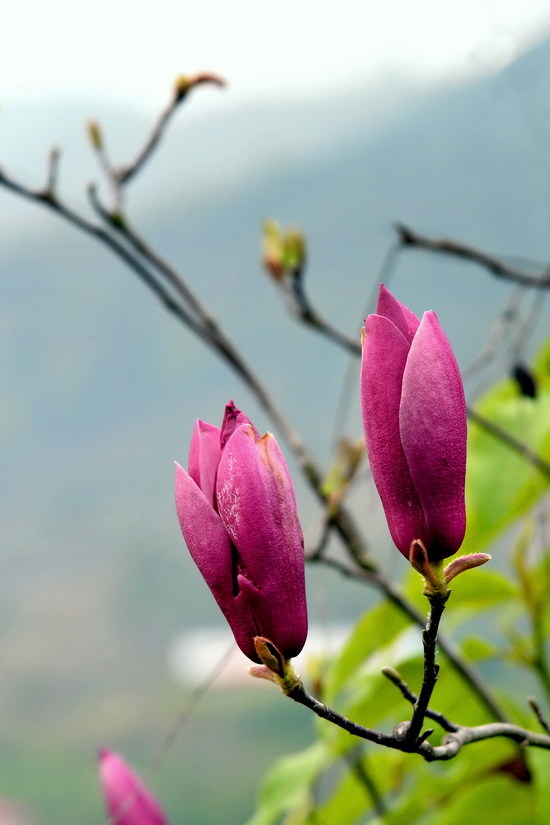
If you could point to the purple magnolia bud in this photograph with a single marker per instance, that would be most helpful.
(414, 416)
(237, 511)
(127, 800)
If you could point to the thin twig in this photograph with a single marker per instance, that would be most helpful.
(173, 733)
(356, 763)
(394, 595)
(341, 521)
(538, 712)
(182, 89)
(512, 442)
(353, 346)
(494, 265)
(53, 171)
(111, 242)
(293, 290)
(120, 224)
(394, 677)
(431, 668)
(498, 329)
(196, 695)
(451, 745)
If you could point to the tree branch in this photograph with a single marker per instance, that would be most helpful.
(451, 744)
(182, 88)
(149, 266)
(431, 668)
(394, 677)
(494, 265)
(394, 595)
(302, 309)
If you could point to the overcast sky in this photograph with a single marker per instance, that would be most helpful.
(120, 48)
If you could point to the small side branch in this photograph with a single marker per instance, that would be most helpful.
(182, 88)
(407, 694)
(510, 441)
(496, 266)
(431, 668)
(357, 765)
(393, 594)
(450, 746)
(538, 713)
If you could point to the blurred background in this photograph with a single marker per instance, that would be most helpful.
(341, 121)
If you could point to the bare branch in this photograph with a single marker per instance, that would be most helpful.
(394, 677)
(302, 309)
(396, 597)
(108, 240)
(451, 745)
(182, 88)
(494, 265)
(357, 765)
(431, 668)
(512, 442)
(53, 169)
(408, 736)
(538, 713)
(148, 265)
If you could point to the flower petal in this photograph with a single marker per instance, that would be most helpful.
(257, 505)
(433, 433)
(205, 537)
(204, 457)
(214, 555)
(385, 353)
(404, 319)
(233, 418)
(127, 800)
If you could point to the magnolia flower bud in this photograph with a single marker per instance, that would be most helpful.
(237, 511)
(414, 416)
(127, 800)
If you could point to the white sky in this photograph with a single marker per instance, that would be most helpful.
(126, 49)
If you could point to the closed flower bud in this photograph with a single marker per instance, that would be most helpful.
(237, 510)
(127, 800)
(95, 135)
(414, 416)
(184, 83)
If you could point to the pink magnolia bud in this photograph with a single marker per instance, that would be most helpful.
(127, 800)
(237, 511)
(414, 416)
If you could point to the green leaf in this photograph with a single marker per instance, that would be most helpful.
(372, 632)
(445, 792)
(348, 803)
(539, 763)
(481, 590)
(372, 775)
(502, 798)
(288, 784)
(541, 581)
(476, 650)
(501, 484)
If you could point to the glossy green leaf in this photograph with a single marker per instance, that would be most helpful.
(502, 484)
(441, 790)
(288, 784)
(481, 590)
(372, 775)
(476, 649)
(539, 762)
(349, 802)
(497, 797)
(372, 632)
